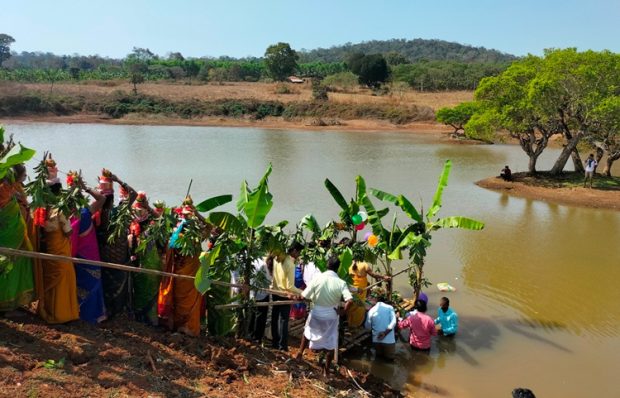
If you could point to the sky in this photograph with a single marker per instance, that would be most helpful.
(241, 28)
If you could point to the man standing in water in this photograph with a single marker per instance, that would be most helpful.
(326, 292)
(381, 320)
(447, 319)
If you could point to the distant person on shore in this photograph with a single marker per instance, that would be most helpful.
(506, 173)
(447, 320)
(381, 320)
(590, 165)
(422, 328)
(522, 393)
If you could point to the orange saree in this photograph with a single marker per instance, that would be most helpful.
(179, 302)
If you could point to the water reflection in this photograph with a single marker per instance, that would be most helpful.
(540, 278)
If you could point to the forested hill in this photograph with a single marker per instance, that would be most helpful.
(413, 50)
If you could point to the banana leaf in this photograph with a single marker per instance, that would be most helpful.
(18, 154)
(310, 223)
(458, 222)
(346, 259)
(406, 241)
(443, 182)
(336, 195)
(212, 203)
(381, 195)
(227, 222)
(258, 202)
(207, 260)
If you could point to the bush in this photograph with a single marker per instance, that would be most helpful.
(284, 88)
(319, 91)
(343, 81)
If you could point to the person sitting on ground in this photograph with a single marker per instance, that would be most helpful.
(590, 165)
(447, 320)
(321, 331)
(506, 173)
(381, 319)
(422, 328)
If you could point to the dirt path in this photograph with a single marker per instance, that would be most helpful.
(555, 191)
(127, 359)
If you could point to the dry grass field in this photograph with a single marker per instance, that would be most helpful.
(243, 90)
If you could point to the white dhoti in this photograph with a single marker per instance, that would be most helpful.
(321, 328)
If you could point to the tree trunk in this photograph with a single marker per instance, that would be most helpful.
(570, 146)
(531, 167)
(577, 163)
(599, 155)
(611, 158)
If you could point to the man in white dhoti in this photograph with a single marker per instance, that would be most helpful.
(326, 291)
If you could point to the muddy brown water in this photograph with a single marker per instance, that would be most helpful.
(538, 290)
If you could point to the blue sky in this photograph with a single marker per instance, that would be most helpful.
(246, 27)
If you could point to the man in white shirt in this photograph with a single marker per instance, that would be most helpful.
(326, 291)
(381, 319)
(590, 165)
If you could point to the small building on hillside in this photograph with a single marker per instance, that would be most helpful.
(295, 79)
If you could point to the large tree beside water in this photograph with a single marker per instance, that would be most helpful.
(565, 93)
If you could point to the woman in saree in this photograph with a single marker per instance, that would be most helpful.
(116, 283)
(179, 302)
(16, 275)
(84, 245)
(55, 279)
(145, 286)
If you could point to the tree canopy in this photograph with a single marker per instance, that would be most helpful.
(372, 70)
(560, 93)
(5, 47)
(280, 60)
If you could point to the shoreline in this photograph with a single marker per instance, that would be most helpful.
(438, 132)
(524, 186)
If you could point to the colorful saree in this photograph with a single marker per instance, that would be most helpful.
(16, 285)
(115, 282)
(56, 285)
(146, 287)
(89, 288)
(178, 303)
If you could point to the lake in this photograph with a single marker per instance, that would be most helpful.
(537, 290)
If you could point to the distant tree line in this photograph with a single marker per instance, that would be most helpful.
(448, 66)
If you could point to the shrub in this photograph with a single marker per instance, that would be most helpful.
(343, 81)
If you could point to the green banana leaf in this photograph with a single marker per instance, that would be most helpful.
(336, 195)
(259, 202)
(243, 196)
(346, 259)
(202, 280)
(227, 222)
(374, 217)
(212, 203)
(18, 154)
(381, 195)
(310, 223)
(458, 222)
(407, 240)
(443, 182)
(406, 206)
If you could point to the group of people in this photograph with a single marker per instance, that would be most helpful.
(383, 321)
(62, 222)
